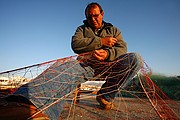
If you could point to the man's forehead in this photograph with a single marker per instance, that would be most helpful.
(93, 10)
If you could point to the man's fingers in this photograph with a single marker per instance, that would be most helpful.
(99, 51)
(98, 57)
(109, 41)
(100, 54)
(112, 41)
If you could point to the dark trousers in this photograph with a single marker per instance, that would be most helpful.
(116, 73)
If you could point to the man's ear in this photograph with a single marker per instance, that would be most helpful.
(102, 13)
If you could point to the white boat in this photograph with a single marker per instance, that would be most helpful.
(91, 85)
(12, 82)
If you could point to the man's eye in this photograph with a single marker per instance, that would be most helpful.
(95, 15)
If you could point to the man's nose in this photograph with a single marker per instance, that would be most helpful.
(93, 19)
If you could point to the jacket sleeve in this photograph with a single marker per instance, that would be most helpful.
(81, 43)
(119, 48)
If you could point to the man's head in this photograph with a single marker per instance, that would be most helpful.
(94, 15)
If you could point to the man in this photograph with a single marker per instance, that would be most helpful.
(105, 51)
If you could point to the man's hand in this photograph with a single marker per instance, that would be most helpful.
(108, 41)
(100, 54)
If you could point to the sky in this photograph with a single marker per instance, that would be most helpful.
(36, 31)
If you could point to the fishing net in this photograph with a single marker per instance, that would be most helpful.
(66, 89)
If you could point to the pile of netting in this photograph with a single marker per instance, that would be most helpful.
(55, 90)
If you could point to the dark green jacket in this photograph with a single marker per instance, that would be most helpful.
(86, 40)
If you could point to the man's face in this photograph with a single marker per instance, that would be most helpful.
(95, 17)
